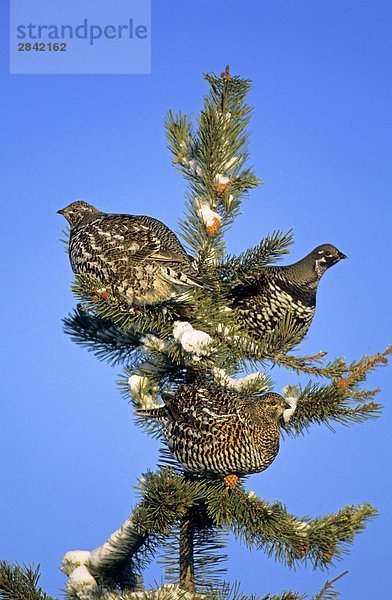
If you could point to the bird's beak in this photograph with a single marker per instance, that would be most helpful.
(287, 405)
(61, 211)
(341, 255)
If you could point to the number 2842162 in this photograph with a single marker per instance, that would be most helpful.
(42, 47)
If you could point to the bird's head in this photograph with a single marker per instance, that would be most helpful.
(77, 211)
(325, 256)
(271, 405)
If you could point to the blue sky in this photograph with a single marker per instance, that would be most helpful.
(321, 131)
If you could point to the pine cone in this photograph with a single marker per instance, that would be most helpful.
(301, 548)
(213, 229)
(222, 188)
(230, 481)
(328, 553)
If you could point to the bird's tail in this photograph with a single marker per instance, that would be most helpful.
(156, 414)
(181, 278)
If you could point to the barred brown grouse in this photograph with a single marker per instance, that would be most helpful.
(212, 430)
(137, 259)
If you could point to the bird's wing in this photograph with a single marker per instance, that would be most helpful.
(250, 287)
(203, 411)
(129, 238)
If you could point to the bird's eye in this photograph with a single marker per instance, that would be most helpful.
(273, 403)
(328, 254)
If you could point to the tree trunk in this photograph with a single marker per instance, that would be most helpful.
(187, 569)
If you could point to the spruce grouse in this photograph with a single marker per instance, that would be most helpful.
(137, 259)
(263, 301)
(215, 430)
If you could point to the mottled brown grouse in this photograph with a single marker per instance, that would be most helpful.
(261, 302)
(212, 430)
(137, 259)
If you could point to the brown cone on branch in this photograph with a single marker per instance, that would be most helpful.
(226, 73)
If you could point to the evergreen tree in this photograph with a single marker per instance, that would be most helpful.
(195, 339)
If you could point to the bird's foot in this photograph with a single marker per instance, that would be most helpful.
(230, 481)
(101, 294)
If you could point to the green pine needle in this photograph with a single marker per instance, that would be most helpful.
(20, 583)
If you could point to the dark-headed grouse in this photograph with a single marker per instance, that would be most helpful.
(261, 302)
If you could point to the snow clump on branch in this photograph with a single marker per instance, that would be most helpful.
(192, 340)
